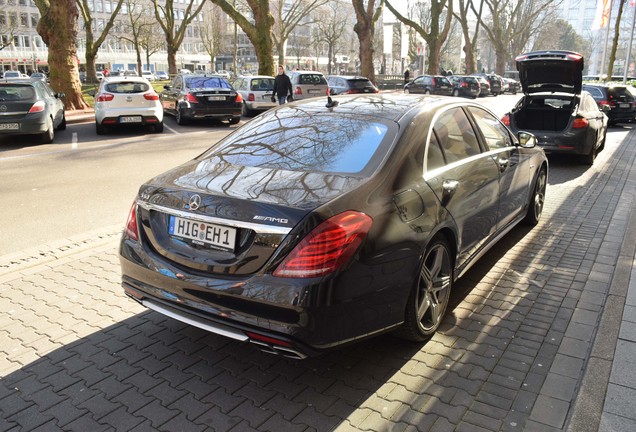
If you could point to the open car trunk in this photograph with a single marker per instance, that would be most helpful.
(544, 113)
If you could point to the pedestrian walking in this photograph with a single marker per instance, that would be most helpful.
(407, 75)
(282, 87)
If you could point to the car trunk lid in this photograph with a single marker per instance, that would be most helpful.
(550, 71)
(234, 224)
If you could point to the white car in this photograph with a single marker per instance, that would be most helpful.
(257, 93)
(148, 75)
(125, 101)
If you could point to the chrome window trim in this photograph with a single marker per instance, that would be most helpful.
(259, 228)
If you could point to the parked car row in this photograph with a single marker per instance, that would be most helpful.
(470, 86)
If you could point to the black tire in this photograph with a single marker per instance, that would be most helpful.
(537, 199)
(602, 146)
(100, 129)
(406, 91)
(456, 93)
(428, 300)
(246, 111)
(49, 134)
(158, 128)
(62, 125)
(427, 92)
(589, 158)
(234, 120)
(181, 120)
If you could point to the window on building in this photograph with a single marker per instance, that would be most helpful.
(107, 6)
(3, 19)
(99, 6)
(22, 3)
(24, 20)
(35, 18)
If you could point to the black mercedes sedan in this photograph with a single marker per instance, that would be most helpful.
(201, 96)
(322, 222)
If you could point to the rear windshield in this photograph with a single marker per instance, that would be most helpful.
(359, 84)
(619, 92)
(17, 93)
(262, 84)
(294, 140)
(471, 80)
(312, 79)
(127, 87)
(207, 82)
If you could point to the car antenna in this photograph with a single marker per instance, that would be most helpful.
(331, 103)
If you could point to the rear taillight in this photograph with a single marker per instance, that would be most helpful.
(327, 247)
(250, 97)
(151, 96)
(506, 119)
(39, 106)
(298, 91)
(191, 98)
(132, 230)
(464, 84)
(105, 97)
(603, 102)
(580, 123)
(239, 98)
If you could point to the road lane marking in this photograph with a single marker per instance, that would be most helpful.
(174, 131)
(74, 141)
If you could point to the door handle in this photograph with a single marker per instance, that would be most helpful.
(448, 190)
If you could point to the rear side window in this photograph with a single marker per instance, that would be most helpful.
(359, 84)
(456, 135)
(306, 141)
(17, 93)
(127, 87)
(595, 92)
(207, 82)
(619, 93)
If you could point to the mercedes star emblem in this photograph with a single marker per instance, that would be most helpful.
(195, 202)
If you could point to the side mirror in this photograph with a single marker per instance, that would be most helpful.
(526, 139)
(60, 95)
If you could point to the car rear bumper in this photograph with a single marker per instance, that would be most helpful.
(285, 316)
(148, 115)
(26, 125)
(564, 142)
(260, 105)
(202, 112)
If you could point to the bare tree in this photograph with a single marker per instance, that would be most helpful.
(211, 32)
(366, 18)
(617, 26)
(92, 44)
(470, 41)
(8, 26)
(139, 24)
(58, 28)
(330, 26)
(168, 13)
(258, 29)
(510, 25)
(287, 16)
(429, 17)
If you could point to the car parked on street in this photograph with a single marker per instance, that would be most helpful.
(465, 86)
(341, 84)
(314, 225)
(30, 107)
(512, 86)
(149, 75)
(123, 101)
(554, 108)
(201, 96)
(39, 76)
(162, 76)
(484, 86)
(11, 74)
(429, 84)
(618, 98)
(308, 84)
(256, 91)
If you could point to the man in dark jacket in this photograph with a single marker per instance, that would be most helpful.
(282, 87)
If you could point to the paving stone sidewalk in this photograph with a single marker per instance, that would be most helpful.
(514, 353)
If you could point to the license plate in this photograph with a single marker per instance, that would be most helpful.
(203, 233)
(130, 119)
(315, 91)
(9, 126)
(267, 96)
(624, 105)
(216, 98)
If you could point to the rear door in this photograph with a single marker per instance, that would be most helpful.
(465, 180)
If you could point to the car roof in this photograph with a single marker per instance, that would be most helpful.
(256, 76)
(122, 78)
(388, 106)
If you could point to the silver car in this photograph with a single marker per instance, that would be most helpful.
(126, 101)
(256, 92)
(308, 84)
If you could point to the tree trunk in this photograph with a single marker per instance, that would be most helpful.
(617, 27)
(58, 29)
(172, 58)
(365, 37)
(91, 76)
(434, 56)
(469, 52)
(281, 52)
(501, 52)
